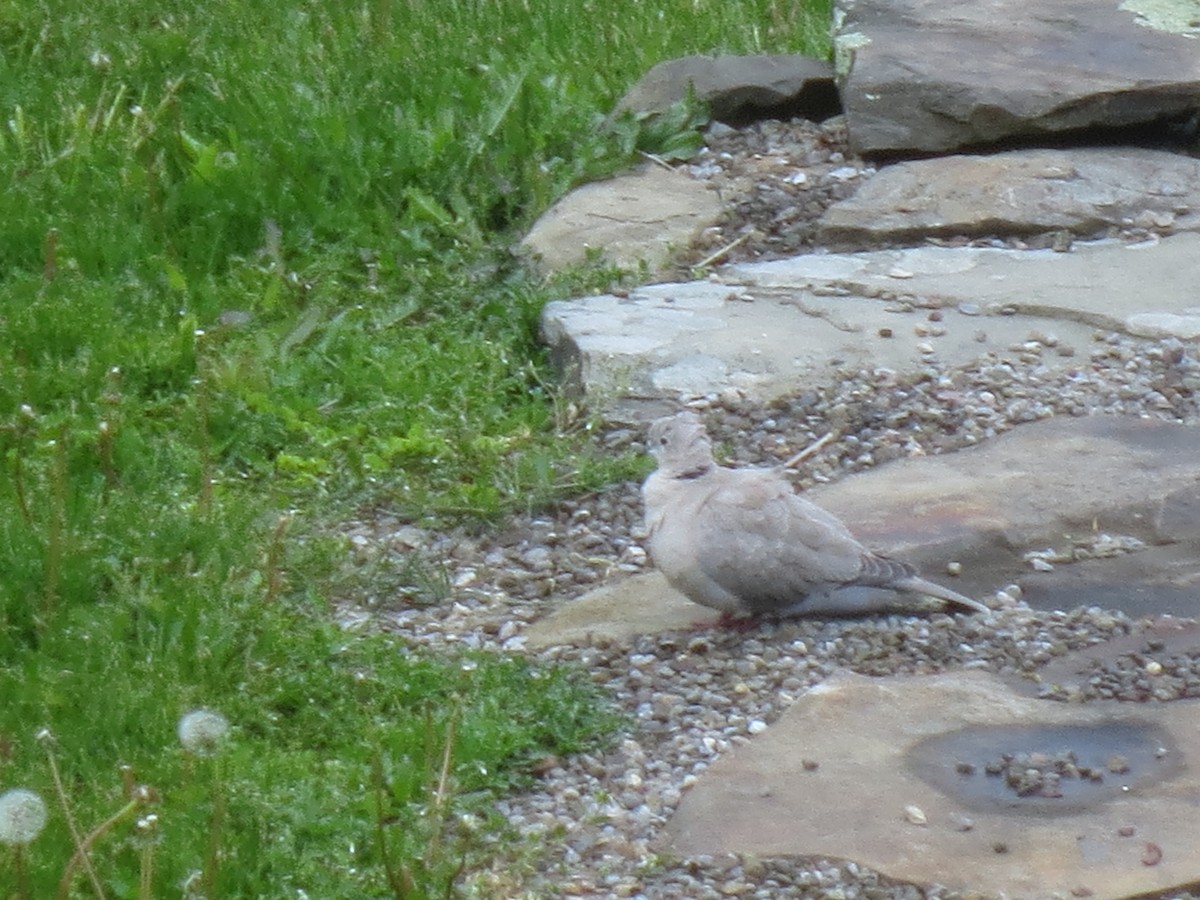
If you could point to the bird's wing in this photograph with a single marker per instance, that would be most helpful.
(762, 542)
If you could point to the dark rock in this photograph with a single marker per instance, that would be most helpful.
(917, 76)
(740, 89)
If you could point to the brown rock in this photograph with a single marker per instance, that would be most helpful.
(635, 219)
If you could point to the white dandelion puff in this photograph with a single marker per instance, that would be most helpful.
(201, 731)
(22, 816)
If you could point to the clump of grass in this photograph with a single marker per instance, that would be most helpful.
(255, 275)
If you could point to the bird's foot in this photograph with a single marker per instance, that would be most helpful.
(735, 622)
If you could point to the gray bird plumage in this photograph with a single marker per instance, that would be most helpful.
(743, 542)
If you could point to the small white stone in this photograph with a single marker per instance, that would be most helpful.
(914, 815)
(756, 726)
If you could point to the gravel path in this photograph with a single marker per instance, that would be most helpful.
(695, 696)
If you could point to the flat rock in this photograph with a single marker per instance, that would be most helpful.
(917, 77)
(739, 88)
(885, 790)
(1084, 191)
(1055, 485)
(619, 612)
(634, 220)
(768, 328)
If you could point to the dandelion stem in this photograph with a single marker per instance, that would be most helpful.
(72, 825)
(64, 884)
(213, 862)
(22, 876)
(146, 879)
(56, 549)
(206, 463)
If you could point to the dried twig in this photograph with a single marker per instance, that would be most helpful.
(717, 254)
(808, 451)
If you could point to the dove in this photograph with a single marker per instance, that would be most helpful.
(743, 542)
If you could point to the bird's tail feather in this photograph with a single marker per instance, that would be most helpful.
(914, 584)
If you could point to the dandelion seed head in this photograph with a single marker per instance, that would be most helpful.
(22, 816)
(201, 731)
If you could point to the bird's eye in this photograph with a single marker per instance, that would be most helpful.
(663, 440)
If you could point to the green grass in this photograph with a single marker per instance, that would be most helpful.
(255, 276)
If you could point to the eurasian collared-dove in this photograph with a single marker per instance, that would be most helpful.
(742, 541)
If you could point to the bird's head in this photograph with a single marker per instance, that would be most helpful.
(680, 445)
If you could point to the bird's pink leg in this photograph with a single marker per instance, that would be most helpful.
(734, 622)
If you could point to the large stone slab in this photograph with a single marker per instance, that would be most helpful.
(636, 219)
(916, 76)
(1056, 484)
(1099, 283)
(1084, 191)
(1051, 484)
(768, 328)
(869, 770)
(739, 88)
